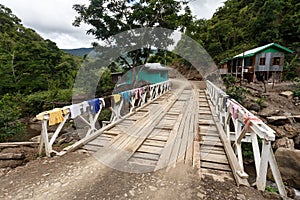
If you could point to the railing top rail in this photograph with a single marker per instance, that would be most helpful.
(256, 124)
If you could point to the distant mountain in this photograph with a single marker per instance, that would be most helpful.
(78, 52)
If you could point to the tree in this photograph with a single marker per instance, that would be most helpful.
(110, 17)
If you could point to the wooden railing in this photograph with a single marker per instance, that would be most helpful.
(247, 128)
(88, 115)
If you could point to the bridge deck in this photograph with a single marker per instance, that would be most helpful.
(176, 127)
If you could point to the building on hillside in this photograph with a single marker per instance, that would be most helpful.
(261, 63)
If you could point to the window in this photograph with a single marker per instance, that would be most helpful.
(276, 61)
(262, 61)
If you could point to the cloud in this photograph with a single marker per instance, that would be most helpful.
(52, 19)
(205, 8)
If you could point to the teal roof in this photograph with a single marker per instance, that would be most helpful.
(254, 51)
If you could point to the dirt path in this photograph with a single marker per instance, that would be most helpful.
(79, 176)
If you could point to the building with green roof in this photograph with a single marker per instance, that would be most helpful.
(260, 63)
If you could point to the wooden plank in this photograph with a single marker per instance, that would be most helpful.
(211, 143)
(144, 155)
(113, 133)
(214, 148)
(159, 138)
(206, 122)
(11, 156)
(213, 158)
(150, 149)
(16, 144)
(192, 134)
(165, 155)
(216, 166)
(141, 161)
(157, 143)
(179, 137)
(210, 138)
(217, 174)
(210, 151)
(184, 139)
(196, 155)
(208, 128)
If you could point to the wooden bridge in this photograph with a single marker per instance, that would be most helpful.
(194, 123)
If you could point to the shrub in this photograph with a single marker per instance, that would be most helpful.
(237, 93)
(229, 80)
(296, 91)
(45, 100)
(10, 111)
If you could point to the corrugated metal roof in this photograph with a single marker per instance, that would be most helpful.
(254, 51)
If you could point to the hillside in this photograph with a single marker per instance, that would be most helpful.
(241, 25)
(81, 52)
(34, 73)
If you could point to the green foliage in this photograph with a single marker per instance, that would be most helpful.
(45, 100)
(247, 150)
(291, 69)
(296, 91)
(260, 102)
(108, 18)
(105, 85)
(246, 24)
(10, 112)
(28, 63)
(237, 93)
(229, 80)
(35, 74)
(271, 189)
(233, 90)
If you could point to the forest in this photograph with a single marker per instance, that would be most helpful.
(36, 75)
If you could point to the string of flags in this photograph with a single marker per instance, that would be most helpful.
(57, 115)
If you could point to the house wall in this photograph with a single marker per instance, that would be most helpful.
(268, 65)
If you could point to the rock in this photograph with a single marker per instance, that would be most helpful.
(288, 161)
(279, 132)
(268, 112)
(152, 188)
(284, 143)
(240, 197)
(35, 126)
(254, 106)
(290, 192)
(287, 94)
(291, 131)
(297, 142)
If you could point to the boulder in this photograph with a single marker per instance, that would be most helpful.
(290, 130)
(287, 94)
(297, 142)
(283, 143)
(288, 161)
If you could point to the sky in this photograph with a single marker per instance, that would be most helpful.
(52, 19)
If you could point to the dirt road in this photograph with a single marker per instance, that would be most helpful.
(78, 175)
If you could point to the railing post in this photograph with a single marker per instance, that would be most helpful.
(262, 173)
(45, 138)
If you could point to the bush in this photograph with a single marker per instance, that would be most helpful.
(10, 111)
(237, 93)
(296, 91)
(229, 80)
(45, 100)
